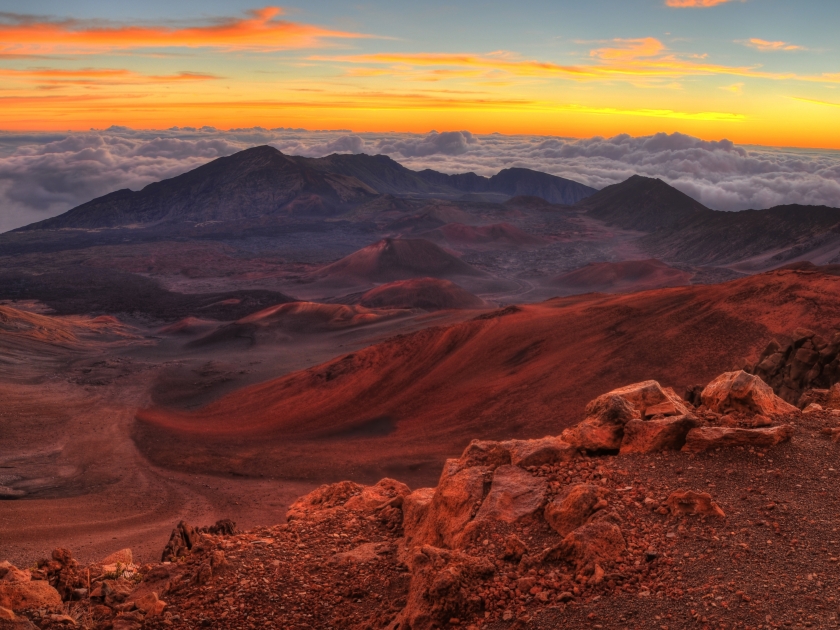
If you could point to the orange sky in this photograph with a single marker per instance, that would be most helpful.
(267, 66)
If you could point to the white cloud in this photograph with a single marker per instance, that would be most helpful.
(42, 175)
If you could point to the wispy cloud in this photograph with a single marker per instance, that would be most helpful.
(685, 4)
(764, 46)
(815, 102)
(100, 76)
(735, 88)
(260, 30)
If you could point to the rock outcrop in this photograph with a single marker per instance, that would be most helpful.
(740, 391)
(807, 361)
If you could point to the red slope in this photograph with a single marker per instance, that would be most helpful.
(407, 403)
(497, 234)
(431, 294)
(622, 277)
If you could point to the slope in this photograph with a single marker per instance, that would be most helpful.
(402, 406)
(622, 277)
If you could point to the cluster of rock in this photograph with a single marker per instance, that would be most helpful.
(807, 362)
(511, 525)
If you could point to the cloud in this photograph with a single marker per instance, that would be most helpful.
(684, 4)
(42, 175)
(261, 30)
(446, 143)
(99, 76)
(764, 46)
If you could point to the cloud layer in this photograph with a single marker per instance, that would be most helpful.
(42, 175)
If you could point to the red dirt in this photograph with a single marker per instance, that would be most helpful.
(497, 235)
(622, 277)
(431, 294)
(402, 406)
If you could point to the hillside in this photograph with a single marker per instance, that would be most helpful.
(395, 259)
(642, 203)
(502, 235)
(430, 294)
(622, 277)
(519, 372)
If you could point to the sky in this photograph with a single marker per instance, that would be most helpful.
(761, 72)
(735, 102)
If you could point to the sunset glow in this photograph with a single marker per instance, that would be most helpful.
(752, 78)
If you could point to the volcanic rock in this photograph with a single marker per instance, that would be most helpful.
(739, 391)
(597, 542)
(24, 595)
(705, 438)
(603, 427)
(688, 502)
(514, 495)
(574, 506)
(657, 434)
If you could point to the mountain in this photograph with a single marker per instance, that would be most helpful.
(762, 238)
(413, 400)
(515, 182)
(395, 259)
(249, 184)
(622, 277)
(642, 203)
(262, 182)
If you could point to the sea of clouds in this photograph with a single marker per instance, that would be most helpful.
(44, 174)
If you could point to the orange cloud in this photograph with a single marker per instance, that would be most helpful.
(630, 49)
(765, 46)
(262, 30)
(684, 4)
(99, 76)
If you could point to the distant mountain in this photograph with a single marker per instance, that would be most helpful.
(263, 182)
(642, 203)
(514, 182)
(502, 235)
(768, 238)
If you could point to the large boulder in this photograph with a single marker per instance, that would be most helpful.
(705, 438)
(514, 495)
(26, 595)
(739, 391)
(456, 500)
(415, 508)
(608, 415)
(574, 506)
(441, 583)
(603, 428)
(657, 434)
(523, 453)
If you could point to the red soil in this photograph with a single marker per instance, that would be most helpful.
(622, 277)
(396, 259)
(498, 234)
(401, 406)
(431, 294)
(312, 317)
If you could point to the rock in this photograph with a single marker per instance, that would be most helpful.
(437, 592)
(514, 548)
(833, 398)
(7, 615)
(10, 573)
(123, 556)
(514, 495)
(603, 428)
(704, 438)
(150, 605)
(415, 507)
(739, 391)
(658, 434)
(688, 502)
(484, 453)
(373, 497)
(812, 408)
(457, 498)
(545, 451)
(574, 506)
(180, 543)
(321, 503)
(650, 399)
(223, 527)
(24, 595)
(10, 621)
(597, 542)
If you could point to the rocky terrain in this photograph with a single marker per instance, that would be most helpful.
(651, 512)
